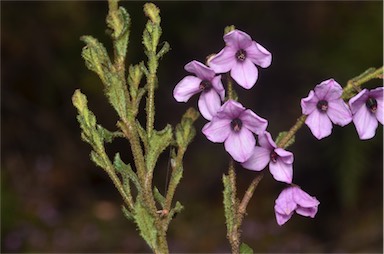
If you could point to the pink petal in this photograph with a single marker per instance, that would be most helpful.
(284, 206)
(303, 199)
(365, 123)
(245, 73)
(306, 205)
(358, 101)
(217, 130)
(377, 93)
(224, 60)
(237, 39)
(307, 212)
(282, 218)
(281, 171)
(187, 87)
(209, 103)
(258, 160)
(218, 86)
(380, 111)
(266, 141)
(240, 145)
(230, 109)
(339, 112)
(308, 104)
(285, 156)
(319, 124)
(200, 70)
(259, 55)
(328, 90)
(253, 122)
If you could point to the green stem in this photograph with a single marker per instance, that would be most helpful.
(116, 181)
(130, 131)
(247, 196)
(300, 121)
(356, 82)
(231, 95)
(151, 102)
(233, 233)
(162, 245)
(176, 165)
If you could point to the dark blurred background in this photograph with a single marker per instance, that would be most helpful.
(53, 199)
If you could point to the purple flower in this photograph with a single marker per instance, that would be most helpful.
(294, 199)
(324, 106)
(234, 125)
(240, 56)
(210, 86)
(280, 161)
(367, 109)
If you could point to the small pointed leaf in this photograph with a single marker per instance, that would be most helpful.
(157, 143)
(245, 249)
(146, 224)
(126, 171)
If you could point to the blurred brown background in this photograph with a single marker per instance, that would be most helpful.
(53, 199)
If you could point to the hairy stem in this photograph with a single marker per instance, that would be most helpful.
(300, 121)
(128, 200)
(151, 104)
(356, 82)
(233, 233)
(247, 196)
(231, 95)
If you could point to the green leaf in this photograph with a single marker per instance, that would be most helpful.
(178, 170)
(126, 171)
(281, 135)
(107, 135)
(157, 144)
(152, 12)
(185, 131)
(127, 214)
(174, 211)
(228, 29)
(87, 121)
(134, 78)
(158, 197)
(146, 224)
(98, 160)
(178, 207)
(96, 57)
(245, 249)
(117, 94)
(163, 50)
(143, 135)
(119, 21)
(92, 133)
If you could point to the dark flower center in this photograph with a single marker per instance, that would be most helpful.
(273, 155)
(236, 124)
(322, 105)
(241, 54)
(205, 85)
(371, 104)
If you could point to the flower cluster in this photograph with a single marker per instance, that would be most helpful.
(237, 127)
(324, 106)
(230, 123)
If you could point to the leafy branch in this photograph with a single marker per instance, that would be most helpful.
(149, 209)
